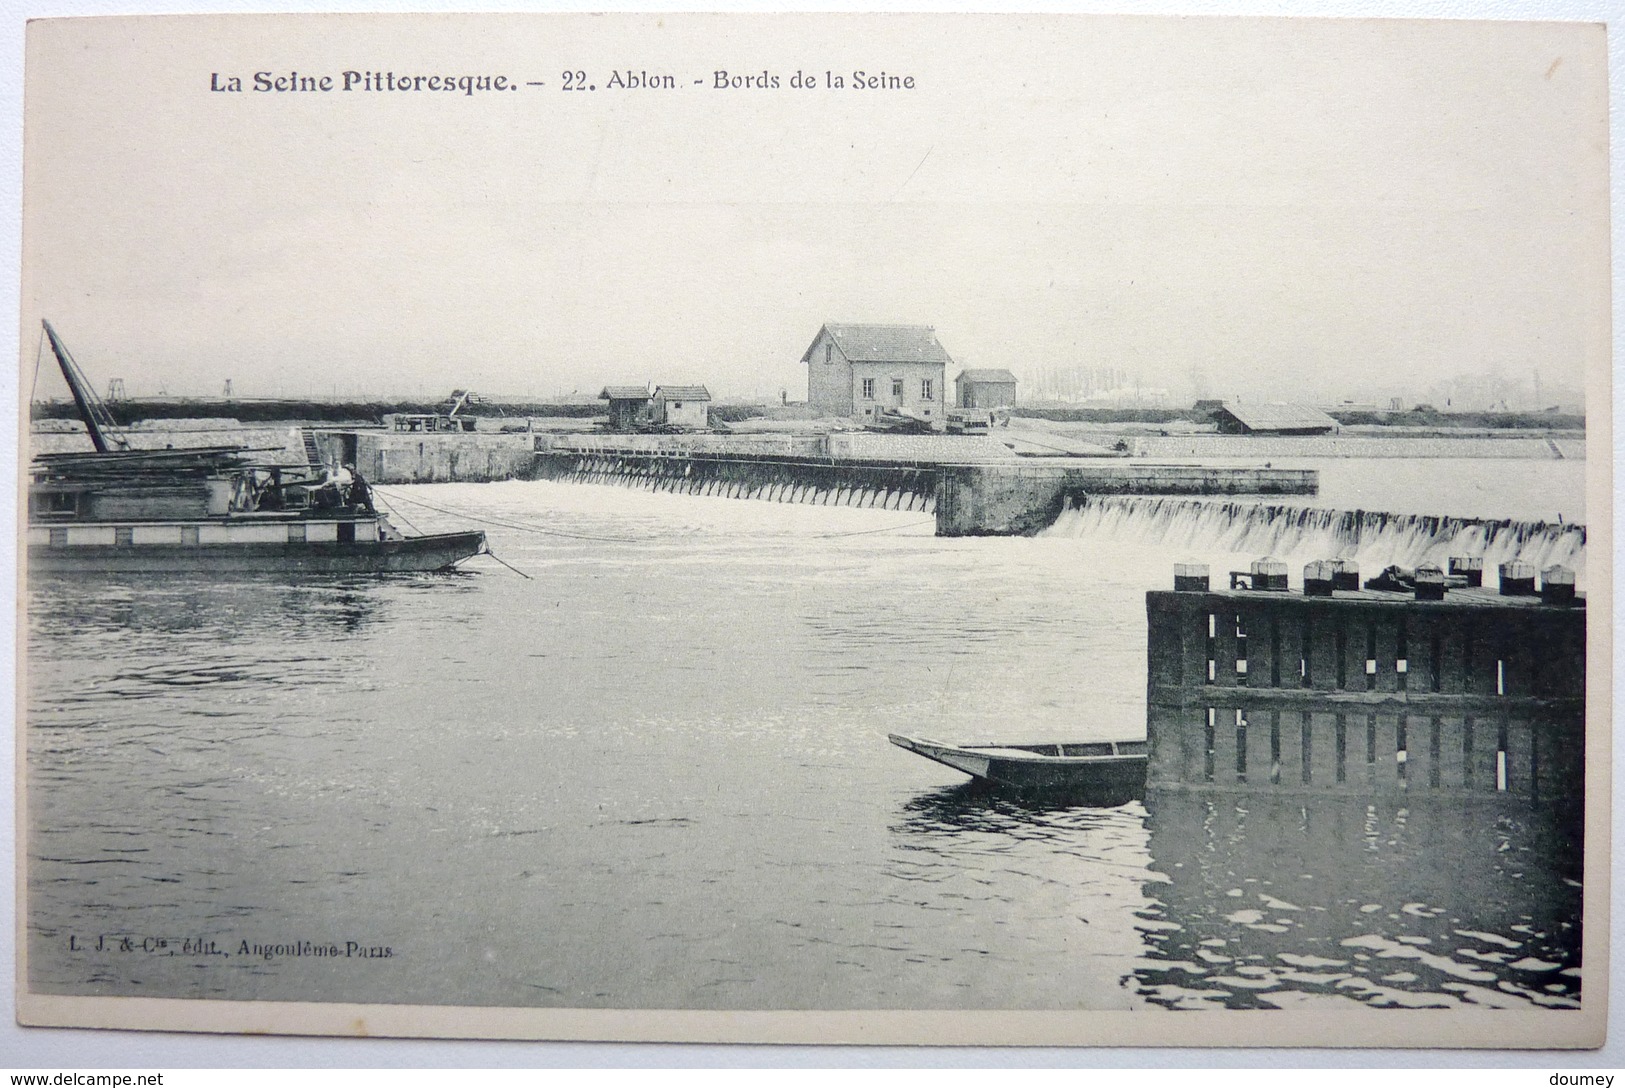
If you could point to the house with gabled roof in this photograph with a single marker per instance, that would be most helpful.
(628, 406)
(686, 406)
(985, 387)
(860, 370)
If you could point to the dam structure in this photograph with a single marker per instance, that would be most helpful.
(973, 484)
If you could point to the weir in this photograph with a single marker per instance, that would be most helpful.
(1001, 498)
(820, 481)
(1373, 538)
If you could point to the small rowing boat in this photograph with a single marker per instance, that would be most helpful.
(1107, 769)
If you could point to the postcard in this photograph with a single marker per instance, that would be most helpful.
(957, 529)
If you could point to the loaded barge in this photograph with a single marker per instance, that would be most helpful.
(218, 509)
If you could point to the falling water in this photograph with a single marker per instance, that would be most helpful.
(771, 481)
(1301, 534)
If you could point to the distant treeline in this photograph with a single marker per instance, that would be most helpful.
(126, 412)
(1420, 417)
(1428, 417)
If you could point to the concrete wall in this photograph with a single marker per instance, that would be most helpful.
(939, 448)
(681, 444)
(389, 458)
(1014, 500)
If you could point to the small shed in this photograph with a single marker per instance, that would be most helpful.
(985, 388)
(687, 406)
(1235, 418)
(628, 406)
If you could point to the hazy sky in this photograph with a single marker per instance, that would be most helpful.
(1283, 207)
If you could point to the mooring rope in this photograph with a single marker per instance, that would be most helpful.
(396, 513)
(521, 526)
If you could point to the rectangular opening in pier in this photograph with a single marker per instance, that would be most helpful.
(1402, 748)
(1275, 747)
(1241, 747)
(1371, 657)
(1212, 638)
(1342, 748)
(1275, 652)
(1209, 739)
(1434, 769)
(1307, 747)
(1402, 657)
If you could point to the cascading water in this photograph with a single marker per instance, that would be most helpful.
(1301, 534)
(773, 481)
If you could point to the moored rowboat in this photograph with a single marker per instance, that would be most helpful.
(1107, 768)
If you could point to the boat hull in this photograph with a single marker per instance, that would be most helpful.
(1109, 778)
(417, 553)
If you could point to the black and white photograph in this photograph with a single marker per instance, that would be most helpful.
(847, 528)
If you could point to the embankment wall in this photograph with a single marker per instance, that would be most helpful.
(388, 458)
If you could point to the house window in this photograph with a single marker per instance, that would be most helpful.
(897, 388)
(868, 389)
(123, 534)
(829, 354)
(676, 404)
(59, 537)
(925, 389)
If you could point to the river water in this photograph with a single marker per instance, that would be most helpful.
(655, 774)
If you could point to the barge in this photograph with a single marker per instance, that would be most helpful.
(218, 509)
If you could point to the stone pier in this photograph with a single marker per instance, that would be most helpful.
(1020, 499)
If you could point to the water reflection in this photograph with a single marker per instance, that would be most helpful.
(1259, 897)
(249, 607)
(1279, 902)
(976, 806)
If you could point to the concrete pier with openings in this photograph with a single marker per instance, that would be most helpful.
(1439, 688)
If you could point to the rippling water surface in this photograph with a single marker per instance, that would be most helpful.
(656, 775)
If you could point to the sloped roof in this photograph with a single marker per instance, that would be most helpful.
(683, 392)
(624, 392)
(884, 343)
(987, 374)
(1279, 417)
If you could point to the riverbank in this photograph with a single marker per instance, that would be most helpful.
(1357, 446)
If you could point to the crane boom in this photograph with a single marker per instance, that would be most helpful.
(93, 412)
